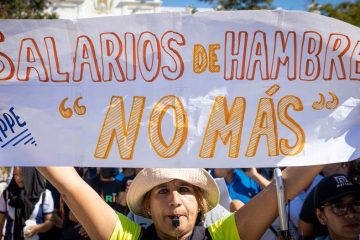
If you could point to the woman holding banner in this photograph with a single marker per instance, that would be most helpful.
(175, 199)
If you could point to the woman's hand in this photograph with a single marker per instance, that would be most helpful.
(83, 233)
(31, 230)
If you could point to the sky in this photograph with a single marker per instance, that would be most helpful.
(284, 4)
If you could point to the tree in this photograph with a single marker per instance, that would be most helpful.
(345, 11)
(25, 9)
(240, 4)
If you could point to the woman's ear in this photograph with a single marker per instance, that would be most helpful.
(321, 216)
(146, 204)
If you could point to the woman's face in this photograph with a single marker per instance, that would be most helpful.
(18, 177)
(346, 226)
(173, 199)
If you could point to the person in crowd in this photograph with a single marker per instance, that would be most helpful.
(55, 232)
(26, 205)
(260, 176)
(337, 204)
(4, 173)
(354, 170)
(125, 184)
(109, 188)
(88, 173)
(175, 199)
(71, 229)
(125, 173)
(239, 184)
(309, 226)
(293, 209)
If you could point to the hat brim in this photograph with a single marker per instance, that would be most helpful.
(336, 197)
(148, 178)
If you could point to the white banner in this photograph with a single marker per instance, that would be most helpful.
(219, 89)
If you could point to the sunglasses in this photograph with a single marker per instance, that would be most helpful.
(340, 209)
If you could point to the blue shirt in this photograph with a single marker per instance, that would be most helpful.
(242, 187)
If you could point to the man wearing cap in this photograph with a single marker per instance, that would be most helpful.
(337, 203)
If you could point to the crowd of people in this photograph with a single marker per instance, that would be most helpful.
(110, 203)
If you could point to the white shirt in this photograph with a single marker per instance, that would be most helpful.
(42, 207)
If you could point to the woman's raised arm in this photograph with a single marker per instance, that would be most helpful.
(93, 213)
(256, 216)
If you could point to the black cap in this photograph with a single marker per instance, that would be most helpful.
(334, 187)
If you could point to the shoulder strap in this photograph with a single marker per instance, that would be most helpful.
(273, 230)
(5, 195)
(5, 198)
(43, 195)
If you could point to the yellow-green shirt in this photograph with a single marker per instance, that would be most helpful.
(126, 229)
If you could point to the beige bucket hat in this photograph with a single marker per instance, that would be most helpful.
(148, 178)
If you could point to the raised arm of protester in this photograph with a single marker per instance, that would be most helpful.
(176, 200)
(87, 206)
(257, 177)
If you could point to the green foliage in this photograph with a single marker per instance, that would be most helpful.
(240, 4)
(25, 9)
(345, 11)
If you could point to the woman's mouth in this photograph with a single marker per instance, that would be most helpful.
(353, 225)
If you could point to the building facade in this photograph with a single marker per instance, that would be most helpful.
(74, 9)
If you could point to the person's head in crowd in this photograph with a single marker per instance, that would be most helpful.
(18, 177)
(337, 204)
(165, 195)
(354, 170)
(25, 178)
(108, 173)
(222, 172)
(128, 172)
(336, 168)
(4, 173)
(128, 180)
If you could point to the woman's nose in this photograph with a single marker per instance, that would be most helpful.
(175, 199)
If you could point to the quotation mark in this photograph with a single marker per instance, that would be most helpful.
(272, 90)
(68, 112)
(318, 105)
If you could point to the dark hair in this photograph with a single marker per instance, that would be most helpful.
(203, 204)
